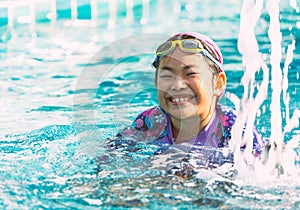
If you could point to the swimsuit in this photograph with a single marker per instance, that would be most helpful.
(154, 127)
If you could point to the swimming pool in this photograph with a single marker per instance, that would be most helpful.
(69, 83)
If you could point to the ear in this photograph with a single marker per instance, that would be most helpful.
(220, 84)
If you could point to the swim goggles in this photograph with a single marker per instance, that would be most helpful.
(186, 45)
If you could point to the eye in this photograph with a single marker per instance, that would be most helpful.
(165, 76)
(191, 73)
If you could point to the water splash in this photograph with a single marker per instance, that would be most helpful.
(129, 12)
(278, 158)
(146, 12)
(112, 14)
(248, 106)
(74, 13)
(53, 15)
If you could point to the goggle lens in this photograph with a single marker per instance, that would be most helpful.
(187, 45)
(191, 44)
(166, 46)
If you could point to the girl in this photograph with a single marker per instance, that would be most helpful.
(190, 80)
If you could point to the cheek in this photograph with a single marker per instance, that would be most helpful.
(162, 85)
(161, 98)
(197, 84)
(202, 88)
(161, 94)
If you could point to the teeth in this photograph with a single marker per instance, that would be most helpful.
(182, 99)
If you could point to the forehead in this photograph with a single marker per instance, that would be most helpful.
(180, 58)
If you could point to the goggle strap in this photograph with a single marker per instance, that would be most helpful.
(156, 60)
(207, 54)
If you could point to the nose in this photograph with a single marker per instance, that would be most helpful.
(178, 84)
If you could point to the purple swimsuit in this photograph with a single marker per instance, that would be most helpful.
(154, 126)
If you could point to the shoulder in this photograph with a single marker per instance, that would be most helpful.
(149, 125)
(226, 117)
(225, 109)
(226, 114)
(148, 118)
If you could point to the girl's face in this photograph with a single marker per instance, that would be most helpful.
(187, 86)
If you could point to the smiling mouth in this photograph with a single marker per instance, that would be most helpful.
(179, 100)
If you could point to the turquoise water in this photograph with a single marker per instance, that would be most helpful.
(63, 93)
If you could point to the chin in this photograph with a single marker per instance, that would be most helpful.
(182, 115)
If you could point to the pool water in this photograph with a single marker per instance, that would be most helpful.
(66, 89)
